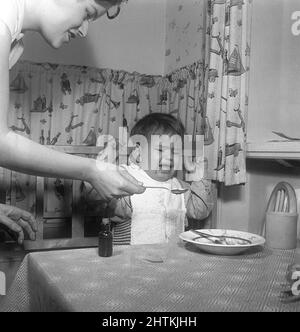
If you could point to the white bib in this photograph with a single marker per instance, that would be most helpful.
(157, 214)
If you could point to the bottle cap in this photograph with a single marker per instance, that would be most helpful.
(105, 225)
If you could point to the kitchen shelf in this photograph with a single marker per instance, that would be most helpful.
(286, 150)
(286, 153)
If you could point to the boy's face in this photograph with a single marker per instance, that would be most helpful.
(164, 160)
(70, 19)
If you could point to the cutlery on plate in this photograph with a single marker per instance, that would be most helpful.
(209, 236)
(215, 241)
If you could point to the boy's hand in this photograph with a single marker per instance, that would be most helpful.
(202, 188)
(18, 220)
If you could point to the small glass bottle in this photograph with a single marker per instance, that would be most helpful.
(48, 140)
(105, 248)
(42, 138)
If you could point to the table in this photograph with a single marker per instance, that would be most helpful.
(136, 280)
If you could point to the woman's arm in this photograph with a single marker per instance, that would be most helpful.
(21, 154)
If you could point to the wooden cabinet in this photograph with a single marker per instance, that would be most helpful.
(67, 216)
(274, 98)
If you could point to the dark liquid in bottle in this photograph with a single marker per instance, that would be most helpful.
(105, 248)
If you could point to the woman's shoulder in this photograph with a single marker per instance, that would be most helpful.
(9, 15)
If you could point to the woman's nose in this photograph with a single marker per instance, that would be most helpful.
(83, 30)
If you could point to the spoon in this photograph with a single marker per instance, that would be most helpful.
(173, 191)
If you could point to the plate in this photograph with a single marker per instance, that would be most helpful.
(231, 247)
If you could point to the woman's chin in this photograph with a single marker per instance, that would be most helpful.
(59, 42)
(55, 44)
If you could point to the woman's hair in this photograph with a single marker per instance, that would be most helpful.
(158, 124)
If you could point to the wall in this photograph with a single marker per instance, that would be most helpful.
(149, 36)
(134, 41)
(184, 33)
(274, 86)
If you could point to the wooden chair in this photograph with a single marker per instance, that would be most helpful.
(76, 213)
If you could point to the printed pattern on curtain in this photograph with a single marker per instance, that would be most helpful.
(228, 34)
(71, 105)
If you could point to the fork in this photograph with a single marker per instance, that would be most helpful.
(206, 236)
(209, 236)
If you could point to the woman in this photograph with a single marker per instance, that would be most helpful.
(58, 21)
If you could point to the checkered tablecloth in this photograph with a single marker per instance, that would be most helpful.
(151, 279)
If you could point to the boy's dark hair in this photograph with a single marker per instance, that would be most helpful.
(158, 124)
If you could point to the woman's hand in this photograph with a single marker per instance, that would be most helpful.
(111, 181)
(18, 220)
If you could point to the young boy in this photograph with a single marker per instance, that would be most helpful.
(158, 214)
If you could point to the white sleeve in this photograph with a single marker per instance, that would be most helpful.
(9, 15)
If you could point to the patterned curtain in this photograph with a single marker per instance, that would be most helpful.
(71, 105)
(229, 27)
